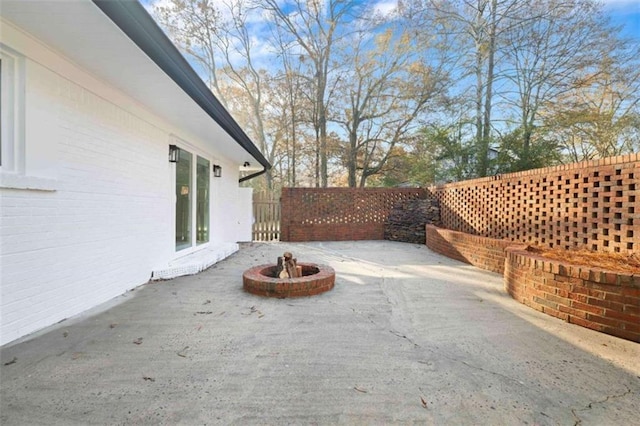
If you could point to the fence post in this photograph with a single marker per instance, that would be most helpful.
(285, 213)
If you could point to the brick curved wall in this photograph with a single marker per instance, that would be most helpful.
(605, 301)
(601, 300)
(483, 252)
(256, 282)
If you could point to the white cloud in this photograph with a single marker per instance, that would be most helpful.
(385, 7)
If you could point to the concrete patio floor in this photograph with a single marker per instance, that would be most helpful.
(406, 336)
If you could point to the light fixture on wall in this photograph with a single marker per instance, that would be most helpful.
(246, 164)
(174, 153)
(217, 170)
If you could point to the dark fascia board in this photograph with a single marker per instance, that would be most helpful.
(132, 18)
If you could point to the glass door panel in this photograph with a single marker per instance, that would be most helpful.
(202, 202)
(183, 200)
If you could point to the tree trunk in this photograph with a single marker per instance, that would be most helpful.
(293, 144)
(317, 153)
(486, 127)
(481, 149)
(352, 160)
(322, 123)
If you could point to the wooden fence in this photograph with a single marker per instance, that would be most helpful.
(266, 216)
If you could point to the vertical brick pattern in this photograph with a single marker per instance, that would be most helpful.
(339, 214)
(592, 205)
(601, 300)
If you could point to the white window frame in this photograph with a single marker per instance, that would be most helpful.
(181, 144)
(12, 155)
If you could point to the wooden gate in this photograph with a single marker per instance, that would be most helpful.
(266, 216)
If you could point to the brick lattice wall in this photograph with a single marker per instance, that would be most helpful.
(339, 214)
(592, 205)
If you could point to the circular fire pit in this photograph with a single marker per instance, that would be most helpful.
(262, 280)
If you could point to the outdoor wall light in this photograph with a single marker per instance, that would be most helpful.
(217, 170)
(246, 164)
(174, 153)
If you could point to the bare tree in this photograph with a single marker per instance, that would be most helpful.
(383, 94)
(347, 88)
(216, 34)
(313, 25)
(293, 99)
(191, 25)
(599, 116)
(544, 55)
(479, 26)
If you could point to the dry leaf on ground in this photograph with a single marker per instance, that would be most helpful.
(13, 361)
(615, 262)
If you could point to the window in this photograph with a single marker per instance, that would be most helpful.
(192, 200)
(11, 110)
(39, 173)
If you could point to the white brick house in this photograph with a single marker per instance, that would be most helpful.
(93, 95)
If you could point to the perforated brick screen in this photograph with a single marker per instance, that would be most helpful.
(339, 214)
(592, 205)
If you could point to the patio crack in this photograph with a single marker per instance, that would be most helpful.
(396, 315)
(379, 326)
(590, 405)
(394, 302)
(404, 336)
(475, 367)
(356, 312)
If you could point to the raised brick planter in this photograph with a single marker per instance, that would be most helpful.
(598, 299)
(483, 252)
(605, 301)
(315, 279)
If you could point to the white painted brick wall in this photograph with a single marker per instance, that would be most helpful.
(109, 222)
(102, 231)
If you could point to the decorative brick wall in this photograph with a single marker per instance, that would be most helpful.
(601, 300)
(593, 205)
(483, 252)
(605, 301)
(339, 214)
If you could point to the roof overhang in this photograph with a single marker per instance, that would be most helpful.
(118, 42)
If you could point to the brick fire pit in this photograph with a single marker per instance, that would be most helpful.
(315, 279)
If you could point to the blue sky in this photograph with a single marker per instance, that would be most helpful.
(622, 12)
(627, 13)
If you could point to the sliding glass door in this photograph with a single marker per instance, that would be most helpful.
(202, 202)
(183, 200)
(192, 208)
